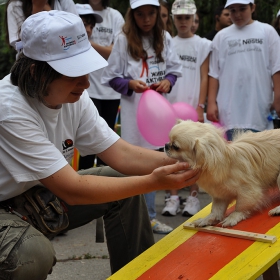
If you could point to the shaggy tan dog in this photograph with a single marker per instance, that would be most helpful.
(243, 170)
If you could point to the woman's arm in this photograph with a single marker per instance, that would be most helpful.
(126, 158)
(141, 161)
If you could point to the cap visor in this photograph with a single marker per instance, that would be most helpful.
(80, 64)
(98, 18)
(142, 3)
(243, 2)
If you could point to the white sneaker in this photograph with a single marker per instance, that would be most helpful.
(172, 207)
(192, 206)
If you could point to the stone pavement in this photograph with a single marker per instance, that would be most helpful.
(79, 257)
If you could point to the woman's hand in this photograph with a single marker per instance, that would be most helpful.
(175, 176)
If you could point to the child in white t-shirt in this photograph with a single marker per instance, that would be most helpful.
(244, 71)
(105, 99)
(142, 58)
(191, 88)
(19, 10)
(88, 16)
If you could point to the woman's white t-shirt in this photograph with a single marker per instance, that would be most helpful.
(15, 16)
(36, 141)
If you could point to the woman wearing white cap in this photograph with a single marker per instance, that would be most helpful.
(102, 39)
(18, 10)
(244, 71)
(142, 58)
(45, 112)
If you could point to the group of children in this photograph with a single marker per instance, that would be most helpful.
(238, 73)
(241, 80)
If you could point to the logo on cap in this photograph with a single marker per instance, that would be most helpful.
(67, 42)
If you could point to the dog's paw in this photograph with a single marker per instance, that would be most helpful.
(233, 219)
(209, 220)
(275, 211)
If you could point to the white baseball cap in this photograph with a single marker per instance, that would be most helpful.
(278, 14)
(183, 7)
(60, 39)
(245, 2)
(137, 3)
(86, 9)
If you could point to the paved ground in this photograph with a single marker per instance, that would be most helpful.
(79, 257)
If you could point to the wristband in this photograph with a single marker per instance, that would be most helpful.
(201, 106)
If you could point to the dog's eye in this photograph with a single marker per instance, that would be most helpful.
(176, 148)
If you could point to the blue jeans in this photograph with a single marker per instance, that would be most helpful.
(151, 204)
(231, 132)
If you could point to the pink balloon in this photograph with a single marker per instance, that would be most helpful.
(155, 118)
(217, 124)
(184, 111)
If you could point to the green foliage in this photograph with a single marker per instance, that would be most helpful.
(266, 11)
(120, 5)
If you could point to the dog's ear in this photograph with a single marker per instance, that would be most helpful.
(198, 151)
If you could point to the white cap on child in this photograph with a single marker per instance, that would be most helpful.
(60, 39)
(183, 7)
(278, 14)
(137, 3)
(86, 9)
(245, 2)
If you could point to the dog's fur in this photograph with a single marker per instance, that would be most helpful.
(244, 170)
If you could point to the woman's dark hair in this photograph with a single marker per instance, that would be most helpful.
(134, 37)
(105, 3)
(33, 77)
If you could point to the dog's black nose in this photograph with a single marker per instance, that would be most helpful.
(166, 147)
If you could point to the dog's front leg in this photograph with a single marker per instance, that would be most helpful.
(242, 211)
(218, 210)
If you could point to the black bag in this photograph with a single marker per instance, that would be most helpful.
(40, 208)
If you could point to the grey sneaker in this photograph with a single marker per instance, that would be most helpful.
(159, 227)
